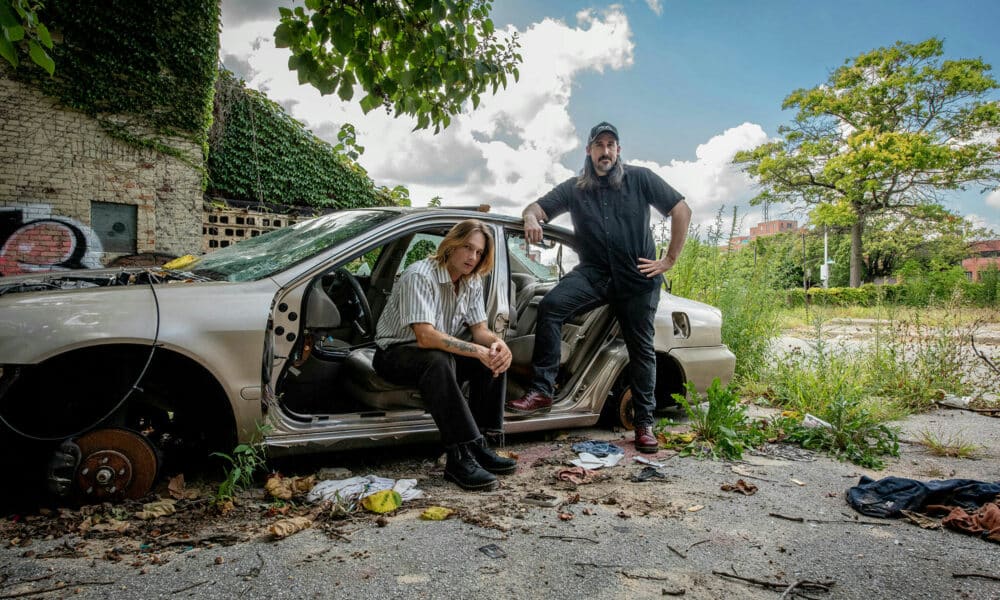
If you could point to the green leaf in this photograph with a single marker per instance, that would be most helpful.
(369, 102)
(346, 91)
(285, 12)
(43, 35)
(15, 33)
(7, 51)
(41, 57)
(7, 18)
(283, 36)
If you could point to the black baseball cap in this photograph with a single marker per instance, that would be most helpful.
(603, 127)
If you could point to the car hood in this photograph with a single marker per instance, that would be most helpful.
(112, 306)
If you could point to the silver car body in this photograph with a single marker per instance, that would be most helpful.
(247, 336)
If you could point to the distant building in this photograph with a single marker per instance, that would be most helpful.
(983, 254)
(771, 228)
(760, 230)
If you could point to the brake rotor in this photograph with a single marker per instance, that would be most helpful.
(115, 464)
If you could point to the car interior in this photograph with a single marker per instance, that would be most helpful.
(331, 370)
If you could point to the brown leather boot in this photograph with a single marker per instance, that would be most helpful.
(645, 441)
(532, 403)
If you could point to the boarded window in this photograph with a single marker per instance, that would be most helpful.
(115, 226)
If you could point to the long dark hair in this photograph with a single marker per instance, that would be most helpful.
(588, 178)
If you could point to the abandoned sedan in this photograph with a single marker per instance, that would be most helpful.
(108, 374)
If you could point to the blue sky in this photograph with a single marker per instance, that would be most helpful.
(687, 83)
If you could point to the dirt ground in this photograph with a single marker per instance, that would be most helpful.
(778, 517)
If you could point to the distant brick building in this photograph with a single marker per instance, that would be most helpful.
(771, 228)
(983, 254)
(763, 229)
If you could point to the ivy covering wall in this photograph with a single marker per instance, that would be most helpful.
(259, 152)
(144, 68)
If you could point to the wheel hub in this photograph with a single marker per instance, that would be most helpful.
(115, 464)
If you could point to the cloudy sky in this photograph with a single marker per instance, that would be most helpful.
(688, 83)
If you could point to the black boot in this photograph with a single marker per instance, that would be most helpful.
(489, 459)
(463, 469)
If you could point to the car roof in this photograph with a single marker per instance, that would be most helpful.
(465, 213)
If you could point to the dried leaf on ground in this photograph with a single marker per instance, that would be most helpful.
(741, 486)
(286, 488)
(286, 527)
(160, 508)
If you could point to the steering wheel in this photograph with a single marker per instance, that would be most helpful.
(364, 322)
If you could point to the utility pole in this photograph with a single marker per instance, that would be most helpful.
(824, 271)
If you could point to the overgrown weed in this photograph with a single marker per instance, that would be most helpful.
(948, 445)
(245, 463)
(719, 425)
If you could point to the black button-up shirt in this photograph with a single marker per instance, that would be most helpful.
(612, 226)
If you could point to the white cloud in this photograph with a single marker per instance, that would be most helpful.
(993, 199)
(711, 180)
(656, 6)
(506, 153)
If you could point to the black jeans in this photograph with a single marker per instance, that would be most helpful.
(439, 375)
(575, 294)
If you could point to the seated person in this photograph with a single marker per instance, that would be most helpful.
(435, 300)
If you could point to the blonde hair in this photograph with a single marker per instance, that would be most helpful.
(459, 235)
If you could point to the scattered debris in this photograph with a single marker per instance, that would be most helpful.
(493, 551)
(286, 527)
(436, 513)
(793, 588)
(160, 508)
(286, 488)
(695, 508)
(541, 499)
(382, 502)
(576, 475)
(648, 473)
(741, 486)
(646, 461)
(590, 461)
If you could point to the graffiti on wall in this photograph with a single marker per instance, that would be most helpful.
(41, 242)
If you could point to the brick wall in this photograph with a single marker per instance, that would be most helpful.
(55, 163)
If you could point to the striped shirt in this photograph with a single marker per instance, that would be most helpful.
(426, 294)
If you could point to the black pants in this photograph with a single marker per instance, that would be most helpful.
(575, 294)
(439, 375)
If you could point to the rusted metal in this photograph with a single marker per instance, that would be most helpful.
(115, 464)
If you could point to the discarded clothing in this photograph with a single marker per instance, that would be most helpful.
(577, 475)
(356, 488)
(887, 497)
(590, 461)
(597, 448)
(985, 522)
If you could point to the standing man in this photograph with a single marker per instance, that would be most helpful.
(609, 204)
(434, 301)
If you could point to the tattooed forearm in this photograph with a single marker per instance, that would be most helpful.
(459, 344)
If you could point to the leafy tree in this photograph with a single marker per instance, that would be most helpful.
(422, 58)
(928, 232)
(886, 133)
(20, 28)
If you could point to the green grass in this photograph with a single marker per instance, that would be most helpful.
(948, 445)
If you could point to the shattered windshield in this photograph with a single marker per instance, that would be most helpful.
(278, 250)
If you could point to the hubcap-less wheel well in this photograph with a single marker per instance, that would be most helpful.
(618, 409)
(177, 405)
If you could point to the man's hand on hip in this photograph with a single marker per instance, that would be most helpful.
(651, 268)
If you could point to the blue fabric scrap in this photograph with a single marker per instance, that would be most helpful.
(597, 448)
(886, 497)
